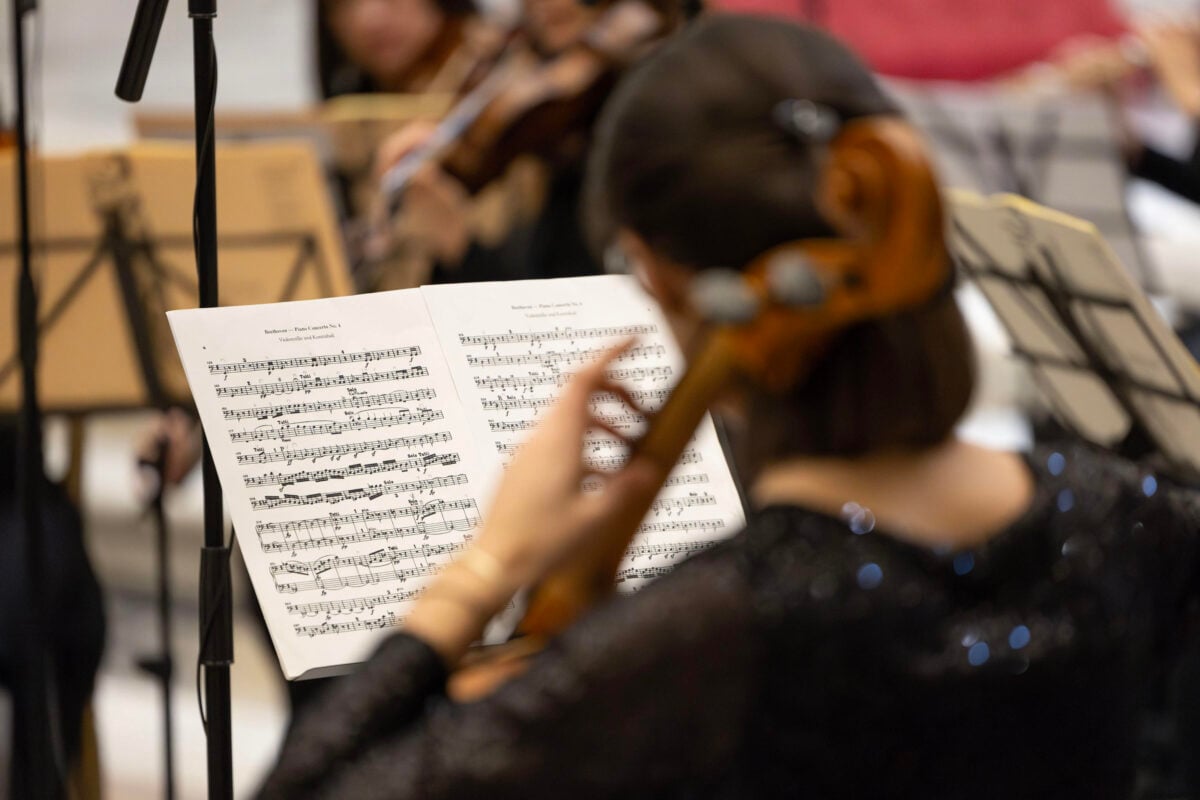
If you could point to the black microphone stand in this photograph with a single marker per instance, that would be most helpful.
(37, 740)
(216, 608)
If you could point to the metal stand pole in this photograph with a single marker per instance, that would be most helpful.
(39, 741)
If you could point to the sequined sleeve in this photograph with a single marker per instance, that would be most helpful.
(1130, 523)
(650, 691)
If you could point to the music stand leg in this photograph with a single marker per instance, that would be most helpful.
(162, 665)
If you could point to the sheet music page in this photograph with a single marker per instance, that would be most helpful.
(1021, 254)
(511, 346)
(344, 458)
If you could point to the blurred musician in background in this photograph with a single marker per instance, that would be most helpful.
(905, 615)
(544, 240)
(73, 601)
(398, 46)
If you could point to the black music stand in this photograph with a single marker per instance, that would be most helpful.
(1059, 150)
(1112, 369)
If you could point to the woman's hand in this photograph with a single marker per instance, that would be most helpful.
(172, 443)
(1173, 49)
(540, 517)
(541, 514)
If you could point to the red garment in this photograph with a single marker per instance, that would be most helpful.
(947, 39)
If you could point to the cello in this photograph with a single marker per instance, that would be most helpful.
(527, 104)
(768, 324)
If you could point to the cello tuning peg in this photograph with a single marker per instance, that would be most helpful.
(722, 296)
(792, 281)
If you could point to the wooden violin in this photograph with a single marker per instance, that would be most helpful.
(528, 105)
(769, 324)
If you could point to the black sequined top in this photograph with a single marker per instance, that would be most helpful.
(810, 657)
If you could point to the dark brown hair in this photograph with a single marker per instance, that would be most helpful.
(689, 156)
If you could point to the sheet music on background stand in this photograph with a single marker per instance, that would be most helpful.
(1061, 151)
(120, 240)
(118, 253)
(1112, 369)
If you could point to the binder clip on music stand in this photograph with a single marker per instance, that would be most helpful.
(216, 609)
(1114, 372)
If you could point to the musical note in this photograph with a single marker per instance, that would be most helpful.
(369, 492)
(293, 431)
(352, 605)
(558, 334)
(327, 628)
(309, 362)
(554, 358)
(331, 573)
(514, 366)
(691, 500)
(648, 399)
(420, 461)
(262, 456)
(305, 384)
(352, 401)
(417, 510)
(355, 482)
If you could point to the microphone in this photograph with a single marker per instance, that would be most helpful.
(139, 52)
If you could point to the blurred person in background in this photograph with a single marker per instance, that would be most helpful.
(548, 241)
(398, 46)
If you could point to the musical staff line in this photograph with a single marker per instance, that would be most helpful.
(593, 444)
(262, 456)
(511, 403)
(370, 535)
(370, 492)
(609, 463)
(551, 358)
(677, 525)
(331, 573)
(309, 362)
(334, 522)
(533, 380)
(674, 550)
(616, 420)
(420, 461)
(389, 620)
(686, 479)
(287, 431)
(353, 401)
(558, 334)
(305, 384)
(351, 605)
(678, 504)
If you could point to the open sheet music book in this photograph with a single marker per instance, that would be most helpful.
(358, 439)
(1105, 359)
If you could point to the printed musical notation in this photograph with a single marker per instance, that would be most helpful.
(331, 573)
(350, 475)
(361, 523)
(290, 455)
(534, 338)
(418, 462)
(352, 605)
(349, 436)
(327, 628)
(510, 368)
(371, 492)
(309, 362)
(353, 401)
(306, 384)
(649, 400)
